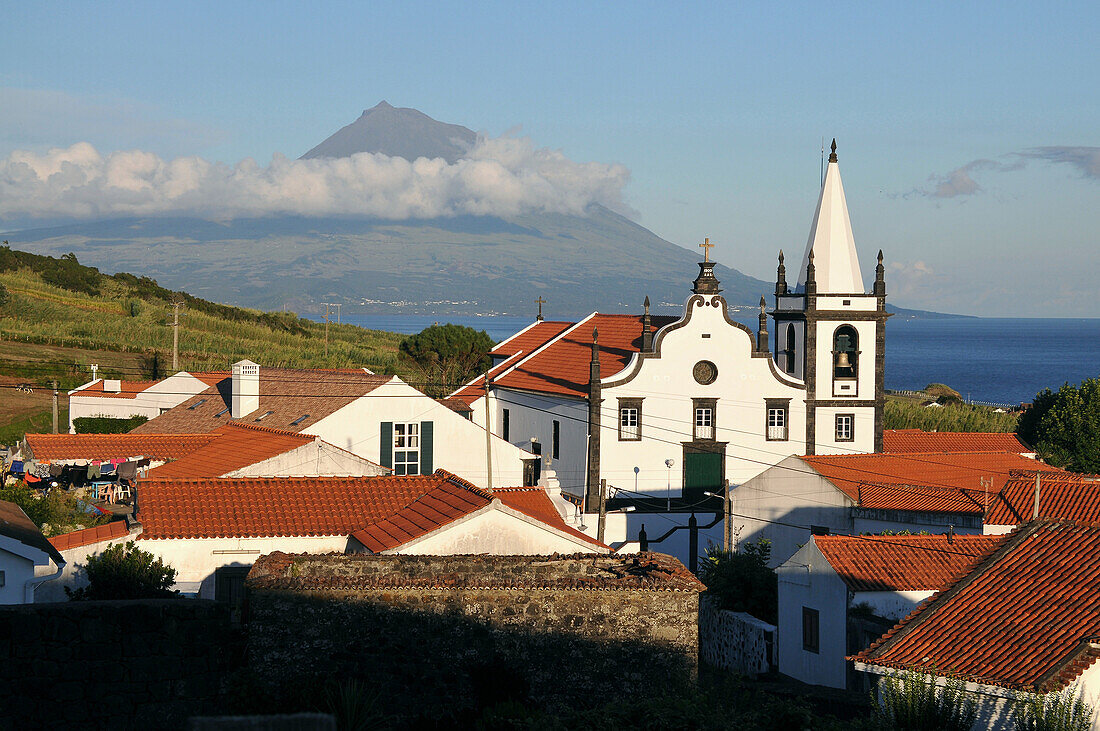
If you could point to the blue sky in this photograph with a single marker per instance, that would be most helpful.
(716, 110)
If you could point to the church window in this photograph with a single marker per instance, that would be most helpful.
(630, 420)
(777, 419)
(788, 351)
(406, 449)
(704, 428)
(845, 353)
(705, 372)
(845, 427)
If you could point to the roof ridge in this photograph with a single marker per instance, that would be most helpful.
(267, 429)
(459, 482)
(907, 455)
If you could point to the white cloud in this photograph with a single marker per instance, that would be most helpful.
(502, 177)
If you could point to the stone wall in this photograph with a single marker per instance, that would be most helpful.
(736, 641)
(440, 634)
(112, 664)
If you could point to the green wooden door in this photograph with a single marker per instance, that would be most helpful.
(702, 471)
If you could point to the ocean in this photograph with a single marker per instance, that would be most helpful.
(987, 359)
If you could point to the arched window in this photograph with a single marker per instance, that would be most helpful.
(788, 352)
(845, 353)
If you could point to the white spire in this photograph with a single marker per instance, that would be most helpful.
(835, 261)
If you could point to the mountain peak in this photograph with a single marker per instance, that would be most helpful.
(397, 132)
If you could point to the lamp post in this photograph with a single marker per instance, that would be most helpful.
(668, 485)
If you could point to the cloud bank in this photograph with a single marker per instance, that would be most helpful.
(503, 176)
(960, 182)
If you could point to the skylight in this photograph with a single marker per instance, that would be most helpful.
(264, 415)
(223, 412)
(197, 404)
(299, 420)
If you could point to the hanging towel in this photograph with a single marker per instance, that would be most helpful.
(127, 470)
(17, 466)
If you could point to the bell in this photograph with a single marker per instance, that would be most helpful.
(842, 360)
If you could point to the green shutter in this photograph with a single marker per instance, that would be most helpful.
(426, 467)
(385, 457)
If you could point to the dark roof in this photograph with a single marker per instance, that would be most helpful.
(15, 524)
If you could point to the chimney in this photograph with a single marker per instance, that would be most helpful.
(112, 385)
(246, 389)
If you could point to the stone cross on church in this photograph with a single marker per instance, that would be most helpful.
(706, 246)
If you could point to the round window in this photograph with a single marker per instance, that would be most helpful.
(705, 372)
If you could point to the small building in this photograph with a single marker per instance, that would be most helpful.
(27, 559)
(119, 399)
(558, 629)
(871, 493)
(378, 418)
(1023, 621)
(837, 594)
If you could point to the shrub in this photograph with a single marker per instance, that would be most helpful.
(911, 701)
(55, 512)
(742, 582)
(1052, 712)
(124, 571)
(4, 296)
(107, 424)
(942, 393)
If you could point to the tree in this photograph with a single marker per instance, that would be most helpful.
(1064, 426)
(124, 571)
(448, 355)
(742, 582)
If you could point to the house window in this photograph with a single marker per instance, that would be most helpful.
(506, 426)
(778, 419)
(406, 449)
(845, 427)
(555, 444)
(630, 420)
(811, 638)
(704, 419)
(788, 352)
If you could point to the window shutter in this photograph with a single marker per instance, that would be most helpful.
(426, 467)
(385, 456)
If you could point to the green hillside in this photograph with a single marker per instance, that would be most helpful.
(57, 317)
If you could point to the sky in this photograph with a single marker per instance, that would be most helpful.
(968, 137)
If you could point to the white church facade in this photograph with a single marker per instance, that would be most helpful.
(667, 409)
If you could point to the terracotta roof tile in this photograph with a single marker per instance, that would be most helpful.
(115, 446)
(233, 446)
(1061, 497)
(903, 563)
(901, 441)
(562, 366)
(288, 393)
(444, 504)
(959, 471)
(535, 503)
(127, 389)
(88, 536)
(576, 572)
(211, 378)
(1024, 618)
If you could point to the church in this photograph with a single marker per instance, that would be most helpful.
(667, 409)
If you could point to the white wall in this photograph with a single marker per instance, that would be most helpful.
(316, 459)
(151, 402)
(783, 499)
(72, 574)
(667, 387)
(533, 415)
(621, 532)
(497, 531)
(807, 580)
(459, 444)
(893, 605)
(17, 571)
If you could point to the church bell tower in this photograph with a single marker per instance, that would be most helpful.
(831, 334)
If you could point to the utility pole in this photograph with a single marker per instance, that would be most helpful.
(603, 511)
(176, 336)
(328, 305)
(55, 407)
(488, 438)
(727, 533)
(1035, 510)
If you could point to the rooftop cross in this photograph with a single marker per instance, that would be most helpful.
(706, 246)
(540, 302)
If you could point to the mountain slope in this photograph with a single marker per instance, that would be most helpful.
(400, 132)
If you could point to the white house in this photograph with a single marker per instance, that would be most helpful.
(837, 594)
(27, 559)
(1024, 620)
(212, 530)
(118, 399)
(377, 418)
(871, 493)
(667, 409)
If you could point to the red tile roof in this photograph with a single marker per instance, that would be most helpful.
(128, 389)
(88, 536)
(535, 503)
(961, 470)
(903, 563)
(901, 441)
(520, 345)
(1061, 497)
(1025, 618)
(115, 446)
(232, 447)
(285, 506)
(211, 378)
(289, 393)
(919, 498)
(444, 504)
(562, 366)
